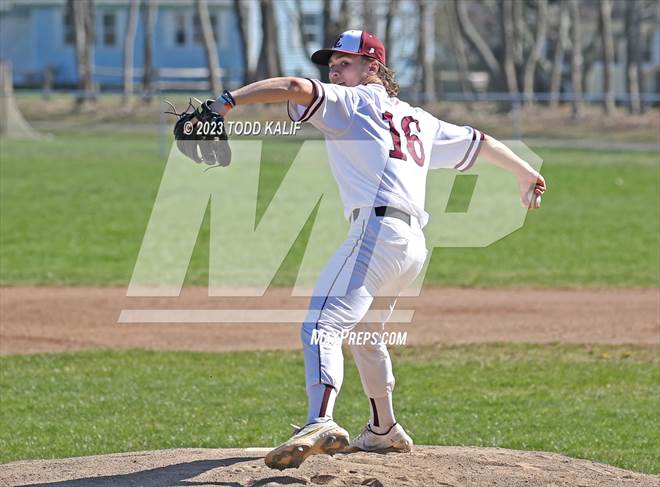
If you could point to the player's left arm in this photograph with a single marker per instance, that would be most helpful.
(498, 154)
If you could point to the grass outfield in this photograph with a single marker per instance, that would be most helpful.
(598, 403)
(74, 211)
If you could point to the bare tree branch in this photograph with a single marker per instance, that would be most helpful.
(333, 27)
(248, 72)
(576, 57)
(149, 21)
(210, 46)
(535, 53)
(518, 31)
(392, 8)
(82, 17)
(344, 18)
(330, 29)
(506, 12)
(129, 50)
(425, 58)
(269, 58)
(475, 39)
(607, 41)
(369, 14)
(458, 44)
(633, 67)
(560, 48)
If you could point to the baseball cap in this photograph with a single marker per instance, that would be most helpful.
(358, 42)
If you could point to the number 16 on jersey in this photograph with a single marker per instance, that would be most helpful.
(413, 144)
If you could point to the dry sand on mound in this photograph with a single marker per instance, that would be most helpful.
(426, 466)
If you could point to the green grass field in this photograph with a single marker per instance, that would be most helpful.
(598, 403)
(74, 211)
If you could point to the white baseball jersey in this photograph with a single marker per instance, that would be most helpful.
(381, 148)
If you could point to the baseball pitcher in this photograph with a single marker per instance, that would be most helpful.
(380, 149)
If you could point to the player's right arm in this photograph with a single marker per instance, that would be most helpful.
(498, 154)
(459, 148)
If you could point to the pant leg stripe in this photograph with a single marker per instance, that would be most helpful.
(316, 325)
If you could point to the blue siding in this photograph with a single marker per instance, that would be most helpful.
(32, 38)
(47, 40)
(14, 26)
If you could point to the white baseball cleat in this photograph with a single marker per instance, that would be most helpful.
(325, 437)
(394, 440)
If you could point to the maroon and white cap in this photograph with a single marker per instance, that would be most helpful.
(358, 42)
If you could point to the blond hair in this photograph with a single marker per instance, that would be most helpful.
(388, 77)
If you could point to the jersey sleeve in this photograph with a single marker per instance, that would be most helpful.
(331, 109)
(455, 147)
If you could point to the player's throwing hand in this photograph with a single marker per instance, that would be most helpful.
(531, 188)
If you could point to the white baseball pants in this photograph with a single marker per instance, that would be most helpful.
(380, 257)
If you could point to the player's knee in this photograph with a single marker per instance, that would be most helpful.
(306, 332)
(312, 335)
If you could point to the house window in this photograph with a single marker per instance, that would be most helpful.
(109, 29)
(197, 28)
(310, 29)
(647, 42)
(180, 29)
(69, 33)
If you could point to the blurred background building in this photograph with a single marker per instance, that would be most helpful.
(593, 50)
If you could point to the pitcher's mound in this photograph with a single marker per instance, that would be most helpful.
(426, 466)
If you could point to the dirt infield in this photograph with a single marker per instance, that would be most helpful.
(57, 319)
(426, 466)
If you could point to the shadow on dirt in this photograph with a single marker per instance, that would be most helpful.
(165, 476)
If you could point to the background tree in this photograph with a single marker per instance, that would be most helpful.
(425, 50)
(390, 15)
(457, 42)
(560, 49)
(210, 46)
(518, 33)
(345, 18)
(12, 123)
(82, 16)
(576, 57)
(333, 26)
(370, 15)
(248, 72)
(149, 12)
(633, 47)
(510, 47)
(607, 42)
(478, 43)
(535, 53)
(269, 58)
(129, 50)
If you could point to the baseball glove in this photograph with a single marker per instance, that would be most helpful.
(201, 135)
